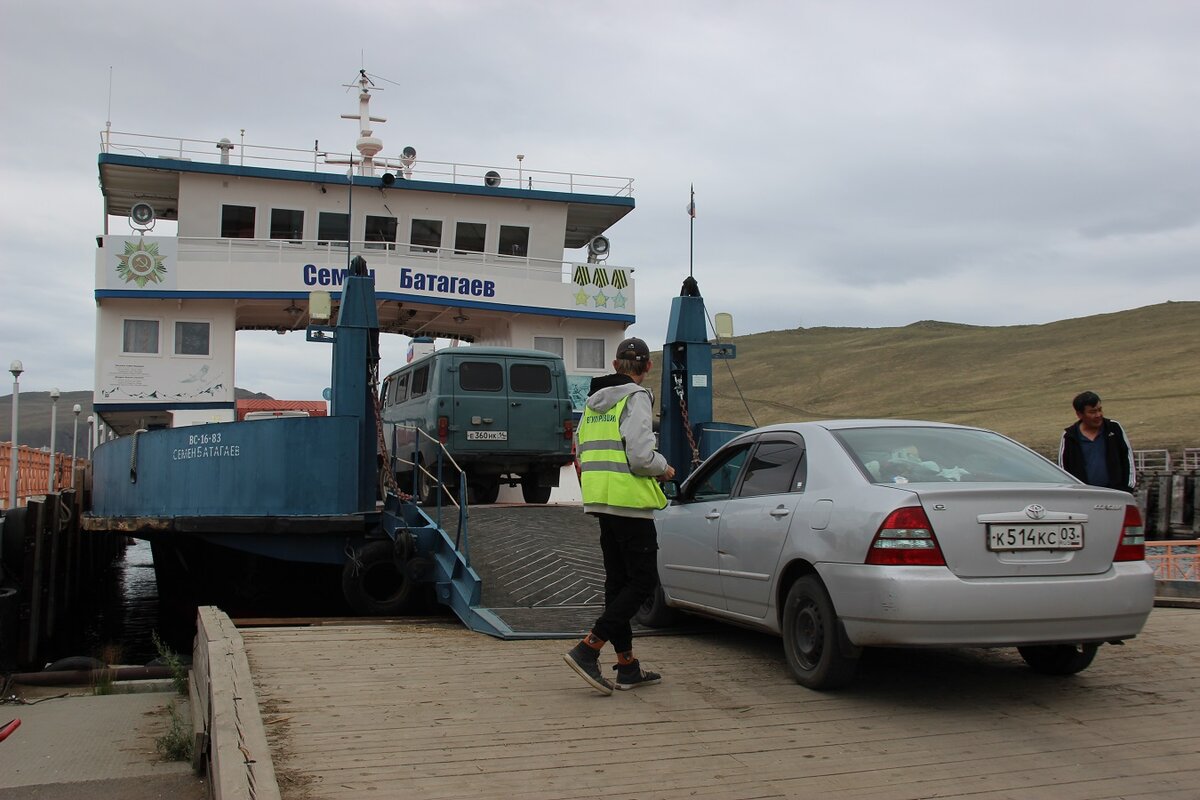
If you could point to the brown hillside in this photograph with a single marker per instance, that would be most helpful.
(1019, 380)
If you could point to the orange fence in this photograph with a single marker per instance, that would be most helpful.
(33, 472)
(1174, 561)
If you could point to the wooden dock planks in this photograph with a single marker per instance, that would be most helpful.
(433, 711)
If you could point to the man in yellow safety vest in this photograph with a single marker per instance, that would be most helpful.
(619, 474)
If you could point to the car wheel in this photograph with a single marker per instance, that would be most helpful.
(427, 487)
(655, 613)
(1058, 659)
(810, 637)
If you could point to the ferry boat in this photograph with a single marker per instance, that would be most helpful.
(265, 238)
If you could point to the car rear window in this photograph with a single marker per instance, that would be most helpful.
(926, 455)
(480, 376)
(529, 378)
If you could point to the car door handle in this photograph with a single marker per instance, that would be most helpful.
(779, 512)
(515, 404)
(713, 515)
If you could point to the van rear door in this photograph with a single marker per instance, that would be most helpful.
(536, 407)
(480, 422)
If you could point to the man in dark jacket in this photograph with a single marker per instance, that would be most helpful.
(1095, 449)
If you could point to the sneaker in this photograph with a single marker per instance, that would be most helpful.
(586, 661)
(632, 675)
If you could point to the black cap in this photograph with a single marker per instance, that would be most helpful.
(633, 349)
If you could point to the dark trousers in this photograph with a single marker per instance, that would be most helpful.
(630, 547)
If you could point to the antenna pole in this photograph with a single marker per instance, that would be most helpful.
(692, 242)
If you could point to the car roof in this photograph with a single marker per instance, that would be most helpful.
(846, 424)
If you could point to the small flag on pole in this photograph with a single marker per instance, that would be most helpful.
(691, 208)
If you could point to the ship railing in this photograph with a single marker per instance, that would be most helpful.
(436, 260)
(435, 474)
(334, 163)
(1175, 560)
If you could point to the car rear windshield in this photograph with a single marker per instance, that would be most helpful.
(480, 376)
(924, 455)
(529, 378)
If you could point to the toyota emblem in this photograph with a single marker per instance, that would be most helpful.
(1035, 511)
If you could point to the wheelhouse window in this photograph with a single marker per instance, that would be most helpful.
(514, 241)
(480, 376)
(549, 344)
(333, 228)
(380, 233)
(288, 224)
(192, 338)
(589, 353)
(237, 222)
(771, 469)
(140, 336)
(425, 235)
(469, 237)
(530, 378)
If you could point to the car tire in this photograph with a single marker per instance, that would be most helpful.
(811, 640)
(655, 613)
(1058, 659)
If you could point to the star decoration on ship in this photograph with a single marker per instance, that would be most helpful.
(141, 263)
(619, 300)
(581, 298)
(601, 300)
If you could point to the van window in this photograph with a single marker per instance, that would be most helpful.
(480, 376)
(420, 382)
(399, 389)
(529, 378)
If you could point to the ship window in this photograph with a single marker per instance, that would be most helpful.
(380, 233)
(191, 338)
(237, 222)
(530, 378)
(589, 354)
(514, 240)
(480, 376)
(333, 228)
(469, 236)
(287, 224)
(549, 344)
(425, 236)
(141, 336)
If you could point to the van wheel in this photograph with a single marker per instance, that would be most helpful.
(534, 493)
(428, 487)
(484, 492)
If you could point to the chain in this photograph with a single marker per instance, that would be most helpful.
(389, 478)
(687, 425)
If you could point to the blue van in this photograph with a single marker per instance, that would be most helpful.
(503, 414)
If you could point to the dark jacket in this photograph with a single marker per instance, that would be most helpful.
(1118, 455)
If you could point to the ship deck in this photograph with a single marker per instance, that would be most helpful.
(425, 708)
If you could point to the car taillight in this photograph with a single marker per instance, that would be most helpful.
(443, 429)
(568, 430)
(906, 538)
(1132, 546)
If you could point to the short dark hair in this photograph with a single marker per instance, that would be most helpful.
(1085, 400)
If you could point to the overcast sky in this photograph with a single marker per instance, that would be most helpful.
(856, 164)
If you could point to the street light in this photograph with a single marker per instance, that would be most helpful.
(54, 395)
(91, 421)
(75, 409)
(16, 369)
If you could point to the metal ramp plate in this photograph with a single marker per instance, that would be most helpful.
(541, 569)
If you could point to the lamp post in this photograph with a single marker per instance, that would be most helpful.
(54, 395)
(91, 421)
(16, 369)
(76, 409)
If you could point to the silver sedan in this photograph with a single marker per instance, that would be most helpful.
(839, 535)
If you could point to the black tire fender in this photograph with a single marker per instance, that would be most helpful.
(374, 582)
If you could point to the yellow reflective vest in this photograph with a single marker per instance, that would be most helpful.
(605, 477)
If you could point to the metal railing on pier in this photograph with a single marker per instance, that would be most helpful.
(33, 472)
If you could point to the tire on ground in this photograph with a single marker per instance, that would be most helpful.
(1058, 659)
(811, 639)
(655, 613)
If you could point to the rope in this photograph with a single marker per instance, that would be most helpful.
(355, 562)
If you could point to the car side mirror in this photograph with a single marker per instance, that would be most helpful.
(671, 490)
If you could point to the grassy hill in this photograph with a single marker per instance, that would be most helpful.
(1019, 380)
